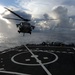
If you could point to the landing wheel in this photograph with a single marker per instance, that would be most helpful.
(29, 32)
(18, 31)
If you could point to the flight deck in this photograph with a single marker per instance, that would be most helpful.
(38, 60)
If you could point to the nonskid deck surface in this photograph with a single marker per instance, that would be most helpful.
(38, 60)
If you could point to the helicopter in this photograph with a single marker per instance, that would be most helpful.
(24, 26)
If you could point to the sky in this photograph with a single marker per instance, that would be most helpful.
(41, 12)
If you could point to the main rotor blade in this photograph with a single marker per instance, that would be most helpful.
(17, 15)
(13, 18)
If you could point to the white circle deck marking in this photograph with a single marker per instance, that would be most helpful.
(12, 59)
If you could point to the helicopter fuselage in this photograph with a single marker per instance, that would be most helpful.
(25, 27)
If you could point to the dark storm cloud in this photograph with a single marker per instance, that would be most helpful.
(62, 15)
(69, 2)
(19, 12)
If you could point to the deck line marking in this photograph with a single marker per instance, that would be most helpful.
(71, 52)
(74, 48)
(9, 72)
(39, 61)
(64, 52)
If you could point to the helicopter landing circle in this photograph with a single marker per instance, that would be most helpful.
(29, 60)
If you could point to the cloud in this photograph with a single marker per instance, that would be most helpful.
(44, 6)
(69, 2)
(38, 7)
(62, 20)
(61, 14)
(62, 29)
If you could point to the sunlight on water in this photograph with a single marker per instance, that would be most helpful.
(7, 42)
(2, 41)
(2, 38)
(13, 40)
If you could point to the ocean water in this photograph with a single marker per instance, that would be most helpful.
(10, 41)
(15, 39)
